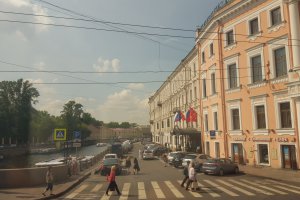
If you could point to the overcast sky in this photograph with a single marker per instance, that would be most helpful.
(93, 47)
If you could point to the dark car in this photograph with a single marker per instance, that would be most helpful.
(177, 159)
(220, 166)
(159, 150)
(198, 159)
(108, 163)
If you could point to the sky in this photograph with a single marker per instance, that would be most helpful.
(103, 62)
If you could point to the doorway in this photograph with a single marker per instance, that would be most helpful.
(288, 155)
(237, 153)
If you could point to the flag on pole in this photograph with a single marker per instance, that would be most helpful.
(193, 115)
(177, 117)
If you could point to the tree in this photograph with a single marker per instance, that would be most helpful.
(16, 99)
(72, 114)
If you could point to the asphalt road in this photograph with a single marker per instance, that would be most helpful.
(158, 182)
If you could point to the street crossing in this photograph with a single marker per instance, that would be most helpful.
(162, 189)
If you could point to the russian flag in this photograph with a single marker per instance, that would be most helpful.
(177, 117)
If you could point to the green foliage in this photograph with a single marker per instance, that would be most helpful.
(16, 99)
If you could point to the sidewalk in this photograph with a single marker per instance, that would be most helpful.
(276, 174)
(35, 193)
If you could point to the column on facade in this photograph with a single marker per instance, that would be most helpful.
(295, 31)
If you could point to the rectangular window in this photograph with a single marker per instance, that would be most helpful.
(232, 76)
(204, 88)
(276, 16)
(213, 83)
(211, 49)
(254, 29)
(206, 122)
(207, 148)
(260, 117)
(229, 37)
(162, 124)
(191, 96)
(195, 93)
(203, 57)
(263, 153)
(168, 122)
(285, 115)
(280, 62)
(216, 121)
(256, 68)
(235, 116)
(157, 125)
(195, 70)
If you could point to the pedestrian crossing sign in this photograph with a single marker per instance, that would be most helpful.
(60, 134)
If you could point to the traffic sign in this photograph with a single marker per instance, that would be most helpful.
(60, 134)
(76, 135)
(76, 144)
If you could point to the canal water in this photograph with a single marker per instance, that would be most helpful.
(26, 161)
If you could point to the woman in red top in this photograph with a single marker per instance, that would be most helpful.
(112, 181)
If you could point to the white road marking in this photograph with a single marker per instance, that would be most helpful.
(195, 194)
(97, 188)
(141, 190)
(277, 182)
(288, 189)
(221, 188)
(76, 192)
(265, 187)
(236, 188)
(250, 187)
(157, 190)
(174, 189)
(125, 191)
(213, 194)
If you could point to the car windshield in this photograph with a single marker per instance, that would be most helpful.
(111, 161)
(110, 156)
(190, 157)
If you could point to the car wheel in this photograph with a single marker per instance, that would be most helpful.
(221, 172)
(236, 170)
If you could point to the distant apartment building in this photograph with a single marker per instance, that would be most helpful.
(249, 83)
(174, 107)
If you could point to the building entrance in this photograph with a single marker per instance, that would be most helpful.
(288, 156)
(237, 153)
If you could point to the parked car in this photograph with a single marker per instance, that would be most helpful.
(148, 154)
(198, 159)
(108, 163)
(171, 156)
(159, 150)
(110, 155)
(177, 161)
(220, 166)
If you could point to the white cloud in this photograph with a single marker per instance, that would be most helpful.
(136, 86)
(123, 106)
(40, 65)
(103, 65)
(16, 3)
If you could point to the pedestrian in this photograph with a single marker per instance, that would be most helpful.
(112, 186)
(140, 154)
(185, 173)
(192, 178)
(165, 159)
(136, 167)
(49, 181)
(128, 164)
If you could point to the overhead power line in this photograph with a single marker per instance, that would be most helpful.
(128, 24)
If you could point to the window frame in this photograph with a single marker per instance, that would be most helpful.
(213, 83)
(275, 63)
(251, 33)
(273, 21)
(228, 38)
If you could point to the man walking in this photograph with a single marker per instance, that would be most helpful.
(49, 181)
(185, 173)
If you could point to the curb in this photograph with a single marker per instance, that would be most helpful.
(77, 182)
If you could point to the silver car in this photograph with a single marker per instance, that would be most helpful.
(148, 154)
(198, 159)
(220, 166)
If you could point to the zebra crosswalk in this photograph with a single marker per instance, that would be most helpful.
(208, 188)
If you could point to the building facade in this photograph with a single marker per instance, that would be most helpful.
(247, 97)
(249, 81)
(174, 107)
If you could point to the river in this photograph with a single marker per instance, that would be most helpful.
(29, 160)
